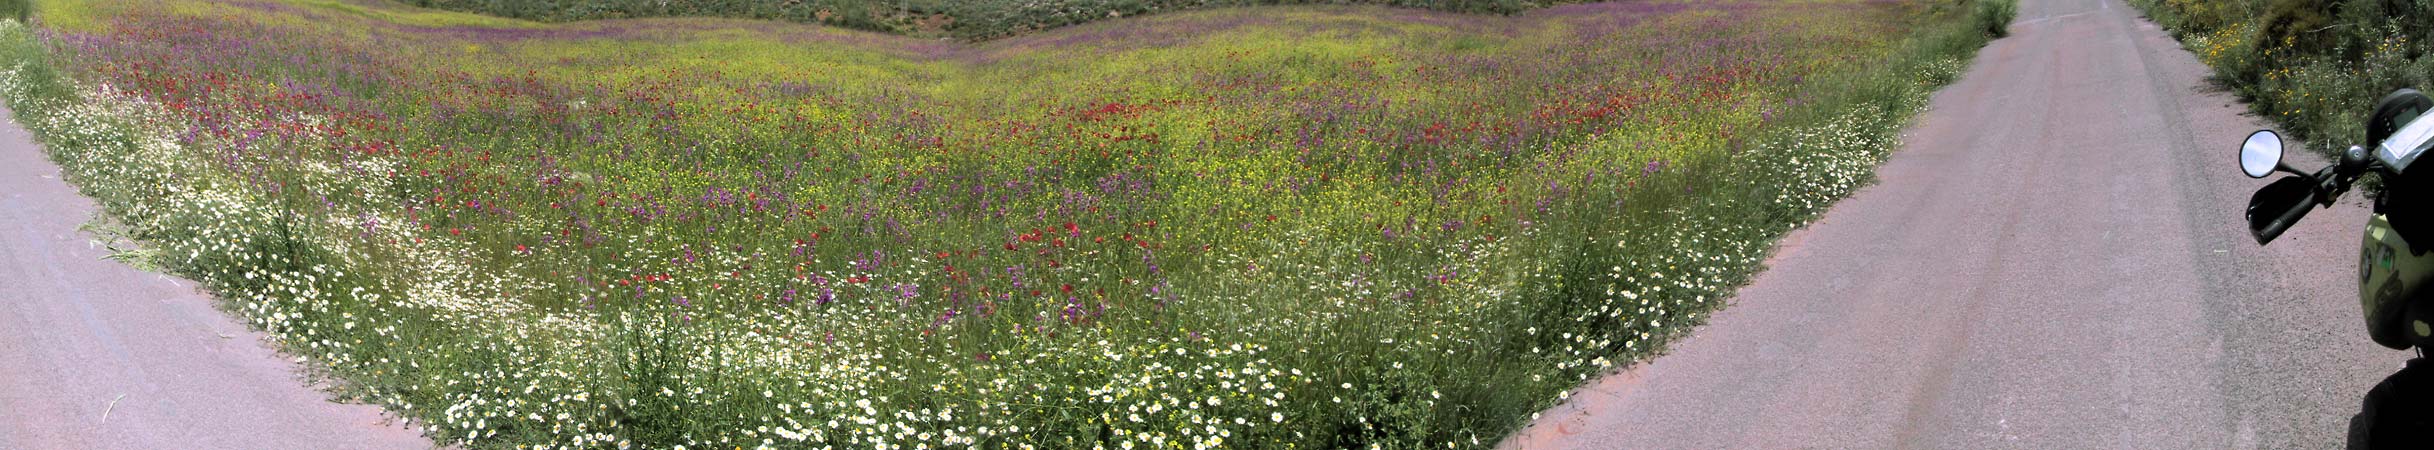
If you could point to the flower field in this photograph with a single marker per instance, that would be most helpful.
(1286, 227)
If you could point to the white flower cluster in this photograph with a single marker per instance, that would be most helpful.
(1820, 164)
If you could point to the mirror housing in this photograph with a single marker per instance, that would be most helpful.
(2261, 154)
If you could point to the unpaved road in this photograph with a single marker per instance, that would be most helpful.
(97, 355)
(2055, 260)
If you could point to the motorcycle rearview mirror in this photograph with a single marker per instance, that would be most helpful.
(2261, 154)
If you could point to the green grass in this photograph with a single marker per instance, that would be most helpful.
(1320, 227)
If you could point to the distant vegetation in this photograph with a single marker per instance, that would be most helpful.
(2315, 67)
(961, 19)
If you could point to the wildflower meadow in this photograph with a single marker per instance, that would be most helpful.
(1267, 227)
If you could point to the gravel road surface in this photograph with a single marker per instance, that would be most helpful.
(97, 355)
(2055, 259)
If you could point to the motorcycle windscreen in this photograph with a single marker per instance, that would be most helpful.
(2405, 145)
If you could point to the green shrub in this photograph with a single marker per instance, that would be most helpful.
(1995, 16)
(2314, 67)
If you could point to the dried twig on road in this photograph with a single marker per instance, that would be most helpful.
(105, 410)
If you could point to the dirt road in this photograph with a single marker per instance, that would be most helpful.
(97, 355)
(2054, 260)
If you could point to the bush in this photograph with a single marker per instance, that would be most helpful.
(1995, 16)
(2313, 66)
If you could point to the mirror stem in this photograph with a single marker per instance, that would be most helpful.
(2293, 171)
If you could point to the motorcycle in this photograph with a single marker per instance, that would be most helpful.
(2395, 260)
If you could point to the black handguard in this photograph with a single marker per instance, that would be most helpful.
(2277, 206)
